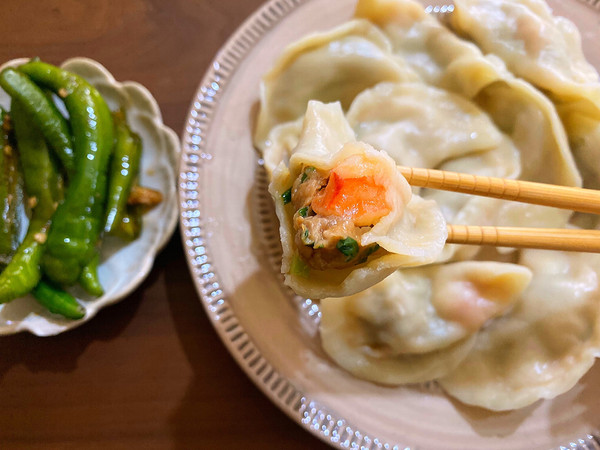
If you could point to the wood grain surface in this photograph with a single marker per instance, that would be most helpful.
(149, 372)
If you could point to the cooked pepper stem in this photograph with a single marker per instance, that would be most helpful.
(130, 226)
(79, 220)
(58, 301)
(89, 278)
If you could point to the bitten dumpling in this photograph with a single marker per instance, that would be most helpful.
(347, 216)
(418, 324)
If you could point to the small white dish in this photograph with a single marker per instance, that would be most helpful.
(123, 266)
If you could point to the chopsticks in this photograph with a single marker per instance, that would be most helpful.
(565, 197)
(571, 240)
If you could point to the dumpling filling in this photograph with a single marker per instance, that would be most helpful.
(334, 209)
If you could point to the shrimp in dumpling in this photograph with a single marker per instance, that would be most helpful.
(418, 324)
(347, 216)
(544, 345)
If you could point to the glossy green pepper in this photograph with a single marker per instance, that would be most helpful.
(43, 185)
(130, 226)
(124, 171)
(58, 301)
(89, 277)
(11, 194)
(42, 112)
(78, 221)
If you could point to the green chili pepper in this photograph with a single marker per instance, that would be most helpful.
(42, 183)
(11, 194)
(42, 112)
(23, 272)
(349, 247)
(123, 172)
(58, 301)
(78, 221)
(89, 277)
(130, 226)
(287, 196)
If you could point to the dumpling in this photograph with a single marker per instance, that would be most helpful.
(546, 51)
(535, 45)
(330, 66)
(520, 111)
(417, 324)
(420, 125)
(544, 345)
(347, 216)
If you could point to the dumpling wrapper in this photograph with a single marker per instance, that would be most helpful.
(330, 66)
(420, 125)
(522, 112)
(544, 345)
(413, 233)
(535, 45)
(418, 324)
(282, 139)
(546, 51)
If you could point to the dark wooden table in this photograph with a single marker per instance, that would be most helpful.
(149, 372)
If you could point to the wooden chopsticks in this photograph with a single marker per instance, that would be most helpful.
(565, 197)
(545, 238)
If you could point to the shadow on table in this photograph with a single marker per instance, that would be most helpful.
(221, 407)
(60, 353)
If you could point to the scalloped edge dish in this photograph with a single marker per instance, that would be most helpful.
(124, 266)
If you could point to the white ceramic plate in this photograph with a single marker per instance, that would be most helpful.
(123, 266)
(232, 245)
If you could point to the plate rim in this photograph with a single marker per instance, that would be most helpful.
(310, 414)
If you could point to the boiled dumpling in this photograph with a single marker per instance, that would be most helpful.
(330, 66)
(534, 44)
(420, 125)
(520, 111)
(546, 51)
(543, 345)
(412, 326)
(347, 216)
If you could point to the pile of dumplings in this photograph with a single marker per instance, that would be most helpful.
(501, 89)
